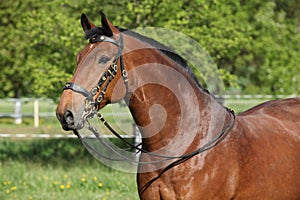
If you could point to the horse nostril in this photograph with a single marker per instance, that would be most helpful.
(69, 118)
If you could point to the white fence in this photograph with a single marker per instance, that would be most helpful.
(12, 108)
(18, 109)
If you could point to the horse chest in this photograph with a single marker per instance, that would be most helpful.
(190, 181)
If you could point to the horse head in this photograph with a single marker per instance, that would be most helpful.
(99, 67)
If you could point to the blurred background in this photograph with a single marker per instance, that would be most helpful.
(255, 45)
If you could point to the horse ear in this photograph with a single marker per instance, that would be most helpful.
(107, 25)
(86, 23)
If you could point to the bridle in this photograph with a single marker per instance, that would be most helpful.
(105, 79)
(92, 105)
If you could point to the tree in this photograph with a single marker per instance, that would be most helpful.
(37, 45)
(40, 41)
(254, 43)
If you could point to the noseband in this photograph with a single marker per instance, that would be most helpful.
(105, 79)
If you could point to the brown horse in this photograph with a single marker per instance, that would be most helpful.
(192, 147)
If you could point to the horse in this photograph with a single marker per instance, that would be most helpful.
(192, 146)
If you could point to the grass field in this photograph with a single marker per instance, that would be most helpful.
(58, 169)
(25, 180)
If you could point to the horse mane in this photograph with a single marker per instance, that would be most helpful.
(157, 45)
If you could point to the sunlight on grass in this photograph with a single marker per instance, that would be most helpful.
(21, 180)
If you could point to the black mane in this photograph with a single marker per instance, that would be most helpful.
(157, 45)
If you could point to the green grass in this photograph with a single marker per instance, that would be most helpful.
(48, 125)
(59, 169)
(240, 105)
(25, 180)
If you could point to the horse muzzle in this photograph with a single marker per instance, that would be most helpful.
(67, 121)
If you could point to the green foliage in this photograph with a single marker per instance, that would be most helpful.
(38, 44)
(254, 43)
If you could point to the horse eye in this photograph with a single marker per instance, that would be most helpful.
(103, 60)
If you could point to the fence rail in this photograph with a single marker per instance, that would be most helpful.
(8, 135)
(49, 136)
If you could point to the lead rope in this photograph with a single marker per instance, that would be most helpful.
(92, 149)
(181, 159)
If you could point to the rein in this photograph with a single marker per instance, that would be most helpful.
(92, 105)
(212, 143)
(218, 138)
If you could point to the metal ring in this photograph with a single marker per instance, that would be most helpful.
(100, 98)
(95, 90)
(124, 73)
(115, 67)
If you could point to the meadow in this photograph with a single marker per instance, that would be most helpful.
(59, 169)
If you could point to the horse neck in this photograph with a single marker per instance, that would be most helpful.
(169, 107)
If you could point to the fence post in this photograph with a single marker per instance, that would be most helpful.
(137, 139)
(18, 113)
(36, 113)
